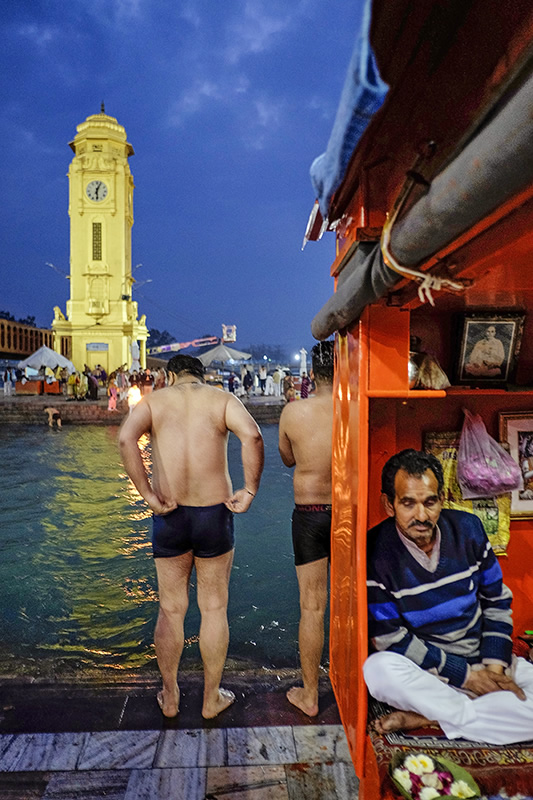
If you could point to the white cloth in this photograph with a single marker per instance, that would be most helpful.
(495, 718)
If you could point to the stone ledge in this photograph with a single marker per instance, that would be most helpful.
(29, 410)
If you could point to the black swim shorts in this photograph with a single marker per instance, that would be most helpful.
(311, 533)
(206, 530)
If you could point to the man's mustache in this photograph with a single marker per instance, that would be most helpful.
(416, 523)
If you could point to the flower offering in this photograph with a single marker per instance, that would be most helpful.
(420, 777)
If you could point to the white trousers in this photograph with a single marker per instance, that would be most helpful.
(495, 718)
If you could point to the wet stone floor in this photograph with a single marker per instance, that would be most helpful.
(86, 740)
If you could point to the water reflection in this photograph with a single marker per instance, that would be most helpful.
(77, 581)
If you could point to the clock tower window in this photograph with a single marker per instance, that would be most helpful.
(97, 241)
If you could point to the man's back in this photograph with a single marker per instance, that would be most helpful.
(305, 433)
(189, 425)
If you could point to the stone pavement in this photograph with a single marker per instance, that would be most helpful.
(90, 740)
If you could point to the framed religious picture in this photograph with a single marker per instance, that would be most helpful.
(516, 428)
(489, 348)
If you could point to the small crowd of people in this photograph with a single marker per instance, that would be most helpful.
(89, 383)
(121, 384)
(279, 382)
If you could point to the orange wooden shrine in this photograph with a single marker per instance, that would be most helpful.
(448, 64)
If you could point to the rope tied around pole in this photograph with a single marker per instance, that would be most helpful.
(428, 283)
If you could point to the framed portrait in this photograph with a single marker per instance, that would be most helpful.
(489, 348)
(516, 428)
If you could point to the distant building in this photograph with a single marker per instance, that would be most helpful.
(101, 325)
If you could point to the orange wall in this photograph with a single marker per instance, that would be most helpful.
(518, 573)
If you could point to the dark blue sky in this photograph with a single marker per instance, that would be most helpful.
(226, 103)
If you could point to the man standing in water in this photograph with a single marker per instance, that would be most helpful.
(305, 432)
(193, 504)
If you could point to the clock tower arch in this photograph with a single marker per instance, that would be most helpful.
(101, 320)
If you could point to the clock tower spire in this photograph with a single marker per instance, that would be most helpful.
(101, 318)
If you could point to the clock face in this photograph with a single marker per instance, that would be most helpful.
(97, 191)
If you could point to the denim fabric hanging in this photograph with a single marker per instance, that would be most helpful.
(362, 95)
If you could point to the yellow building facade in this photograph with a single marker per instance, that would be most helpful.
(101, 317)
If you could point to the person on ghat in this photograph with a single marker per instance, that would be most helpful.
(439, 616)
(305, 431)
(193, 505)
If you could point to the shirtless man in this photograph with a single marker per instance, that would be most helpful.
(53, 416)
(193, 504)
(305, 431)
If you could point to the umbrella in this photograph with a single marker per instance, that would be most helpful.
(45, 357)
(223, 354)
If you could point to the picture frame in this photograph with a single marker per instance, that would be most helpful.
(516, 429)
(489, 347)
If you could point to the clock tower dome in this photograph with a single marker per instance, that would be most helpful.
(101, 319)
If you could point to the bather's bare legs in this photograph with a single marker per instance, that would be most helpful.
(173, 575)
(313, 585)
(213, 579)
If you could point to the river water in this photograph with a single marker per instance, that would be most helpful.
(77, 579)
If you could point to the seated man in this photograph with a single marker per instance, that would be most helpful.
(440, 616)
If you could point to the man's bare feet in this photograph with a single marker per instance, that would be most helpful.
(401, 721)
(224, 700)
(298, 698)
(169, 703)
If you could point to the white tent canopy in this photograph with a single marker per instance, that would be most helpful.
(223, 354)
(45, 357)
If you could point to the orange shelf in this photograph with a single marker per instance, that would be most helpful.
(407, 393)
(481, 390)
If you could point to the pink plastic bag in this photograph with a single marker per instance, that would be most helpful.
(484, 469)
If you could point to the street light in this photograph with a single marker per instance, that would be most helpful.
(64, 274)
(125, 295)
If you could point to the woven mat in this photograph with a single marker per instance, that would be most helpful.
(494, 767)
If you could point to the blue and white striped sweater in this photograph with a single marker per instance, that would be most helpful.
(458, 615)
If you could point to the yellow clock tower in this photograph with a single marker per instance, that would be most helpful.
(101, 319)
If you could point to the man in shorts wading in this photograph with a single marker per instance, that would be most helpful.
(193, 504)
(305, 443)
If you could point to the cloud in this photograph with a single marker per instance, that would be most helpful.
(192, 100)
(190, 14)
(324, 106)
(112, 13)
(255, 31)
(268, 113)
(202, 93)
(41, 35)
(28, 141)
(127, 9)
(266, 120)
